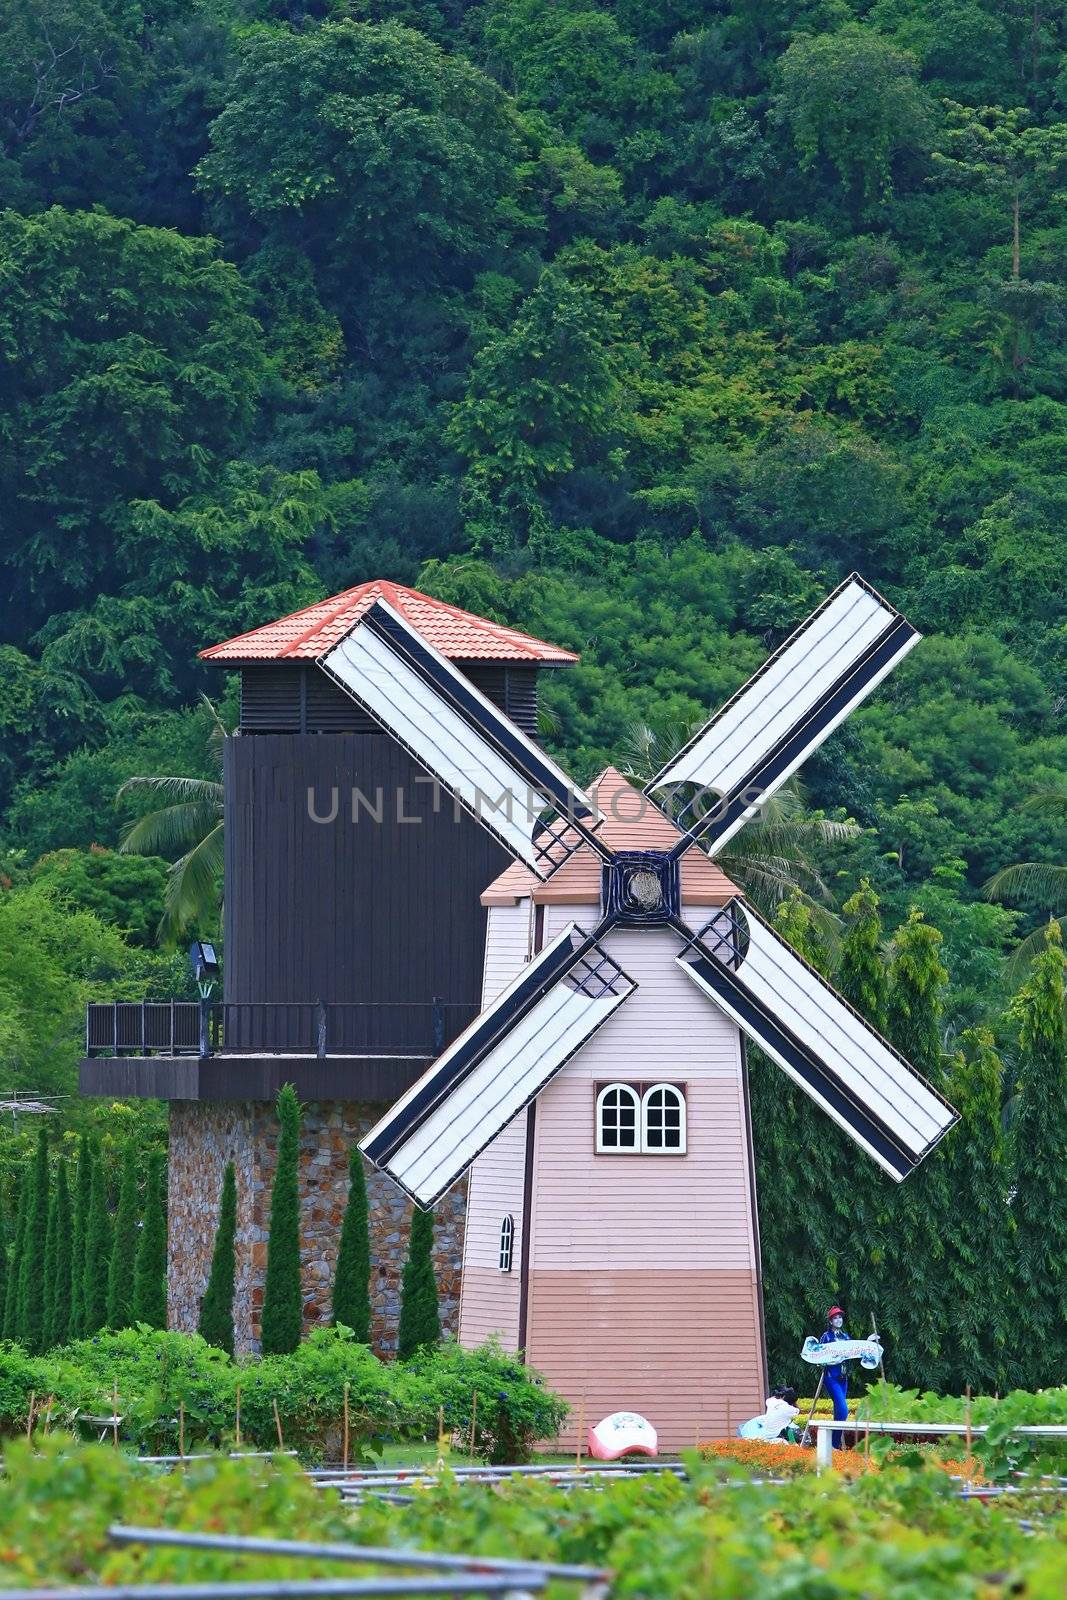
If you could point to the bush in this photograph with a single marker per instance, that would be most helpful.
(158, 1372)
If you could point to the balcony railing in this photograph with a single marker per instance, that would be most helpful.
(204, 1028)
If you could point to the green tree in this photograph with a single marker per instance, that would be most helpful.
(283, 1302)
(853, 98)
(83, 1186)
(5, 1267)
(916, 982)
(11, 1288)
(97, 1255)
(539, 401)
(861, 971)
(420, 1325)
(50, 1249)
(920, 1213)
(31, 1294)
(369, 146)
(57, 1330)
(1039, 1138)
(126, 893)
(124, 1245)
(351, 1284)
(108, 396)
(150, 1271)
(216, 1308)
(1003, 153)
(978, 1245)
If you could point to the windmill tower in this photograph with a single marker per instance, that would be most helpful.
(606, 1068)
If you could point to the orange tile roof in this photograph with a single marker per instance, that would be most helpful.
(309, 634)
(631, 822)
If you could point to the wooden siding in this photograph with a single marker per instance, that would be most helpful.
(348, 911)
(489, 1298)
(682, 1348)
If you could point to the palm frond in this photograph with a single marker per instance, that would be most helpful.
(1040, 883)
(192, 893)
(178, 827)
(173, 788)
(1050, 801)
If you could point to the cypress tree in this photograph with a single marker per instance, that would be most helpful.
(50, 1274)
(97, 1255)
(83, 1183)
(920, 1211)
(351, 1285)
(150, 1274)
(216, 1308)
(978, 1245)
(916, 982)
(1039, 1140)
(30, 1320)
(60, 1308)
(3, 1268)
(11, 1288)
(420, 1326)
(861, 975)
(283, 1310)
(124, 1245)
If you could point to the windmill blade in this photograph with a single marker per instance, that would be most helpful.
(796, 699)
(475, 751)
(494, 1069)
(816, 1037)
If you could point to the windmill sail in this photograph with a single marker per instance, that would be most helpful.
(818, 1039)
(496, 1067)
(475, 751)
(798, 697)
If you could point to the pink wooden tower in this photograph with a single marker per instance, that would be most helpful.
(599, 1099)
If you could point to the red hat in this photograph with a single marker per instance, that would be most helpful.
(834, 1311)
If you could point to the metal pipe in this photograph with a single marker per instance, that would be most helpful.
(387, 1557)
(313, 1589)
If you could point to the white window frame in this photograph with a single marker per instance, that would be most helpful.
(679, 1097)
(507, 1243)
(603, 1149)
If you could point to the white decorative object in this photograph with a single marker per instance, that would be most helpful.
(623, 1433)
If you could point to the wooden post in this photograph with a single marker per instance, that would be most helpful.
(278, 1425)
(29, 1416)
(967, 1420)
(867, 1441)
(181, 1428)
(581, 1436)
(729, 1429)
(345, 1456)
(237, 1434)
(474, 1423)
(115, 1415)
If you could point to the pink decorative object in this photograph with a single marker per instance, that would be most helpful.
(623, 1433)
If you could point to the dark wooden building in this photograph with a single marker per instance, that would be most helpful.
(353, 931)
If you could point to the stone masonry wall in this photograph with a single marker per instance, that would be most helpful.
(203, 1137)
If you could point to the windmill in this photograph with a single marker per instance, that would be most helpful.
(569, 983)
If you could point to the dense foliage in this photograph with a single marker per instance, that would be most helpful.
(637, 326)
(895, 1532)
(283, 1300)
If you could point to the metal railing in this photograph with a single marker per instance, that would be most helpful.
(313, 1027)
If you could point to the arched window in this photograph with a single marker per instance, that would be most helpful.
(617, 1119)
(507, 1242)
(663, 1120)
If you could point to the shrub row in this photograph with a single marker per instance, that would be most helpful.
(162, 1377)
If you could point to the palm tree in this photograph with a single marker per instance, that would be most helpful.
(1038, 884)
(774, 855)
(190, 822)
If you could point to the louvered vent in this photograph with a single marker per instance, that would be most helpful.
(330, 710)
(513, 689)
(270, 699)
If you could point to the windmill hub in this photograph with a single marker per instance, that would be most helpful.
(640, 887)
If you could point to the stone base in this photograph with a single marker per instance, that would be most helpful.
(204, 1137)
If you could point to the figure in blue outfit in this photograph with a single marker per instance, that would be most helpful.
(836, 1378)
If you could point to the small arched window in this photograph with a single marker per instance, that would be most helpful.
(507, 1243)
(617, 1119)
(663, 1120)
